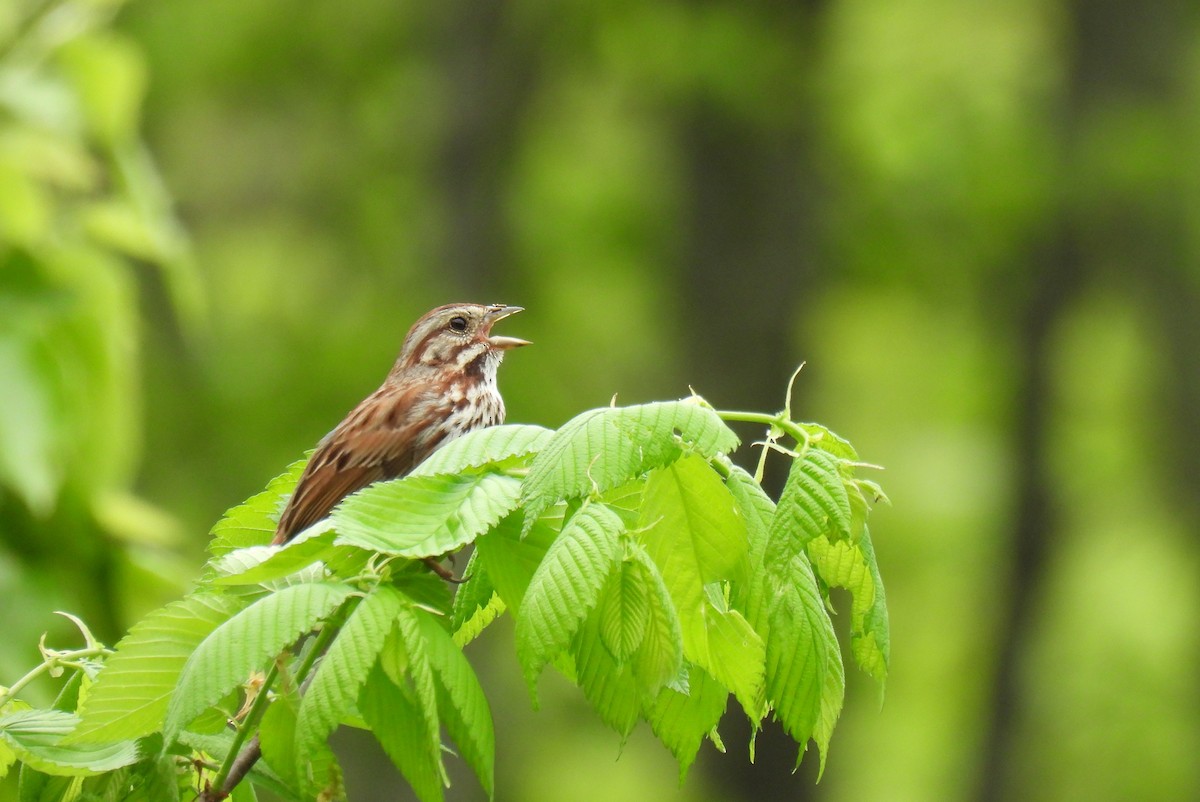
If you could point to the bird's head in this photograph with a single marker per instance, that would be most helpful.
(458, 337)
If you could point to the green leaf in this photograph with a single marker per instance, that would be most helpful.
(108, 73)
(566, 586)
(737, 659)
(800, 650)
(851, 565)
(623, 611)
(757, 510)
(832, 694)
(483, 447)
(695, 536)
(130, 696)
(659, 657)
(252, 523)
(399, 724)
(30, 453)
(872, 649)
(476, 603)
(424, 516)
(460, 700)
(218, 744)
(681, 720)
(7, 758)
(510, 560)
(814, 502)
(317, 775)
(626, 500)
(604, 448)
(254, 565)
(156, 778)
(826, 440)
(479, 620)
(423, 588)
(277, 737)
(36, 737)
(340, 676)
(36, 786)
(693, 518)
(612, 689)
(244, 643)
(424, 686)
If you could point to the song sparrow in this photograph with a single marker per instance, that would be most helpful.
(443, 385)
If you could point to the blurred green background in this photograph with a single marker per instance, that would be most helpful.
(978, 223)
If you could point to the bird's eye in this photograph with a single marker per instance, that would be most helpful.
(458, 323)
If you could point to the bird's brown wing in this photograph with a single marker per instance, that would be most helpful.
(315, 498)
(380, 439)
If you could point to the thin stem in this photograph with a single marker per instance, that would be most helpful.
(779, 421)
(257, 708)
(53, 660)
(722, 465)
(240, 761)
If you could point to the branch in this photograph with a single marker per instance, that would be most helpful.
(238, 769)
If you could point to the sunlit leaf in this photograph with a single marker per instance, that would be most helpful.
(832, 695)
(484, 446)
(129, 698)
(423, 516)
(254, 565)
(277, 736)
(736, 658)
(659, 656)
(826, 440)
(566, 586)
(800, 650)
(252, 523)
(340, 676)
(757, 510)
(694, 535)
(461, 702)
(612, 689)
(422, 682)
(510, 560)
(605, 448)
(36, 736)
(681, 720)
(623, 611)
(851, 565)
(814, 502)
(476, 604)
(225, 659)
(400, 725)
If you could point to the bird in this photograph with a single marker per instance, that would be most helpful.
(442, 386)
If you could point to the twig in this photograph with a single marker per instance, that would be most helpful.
(238, 770)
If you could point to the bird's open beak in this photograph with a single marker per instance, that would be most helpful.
(499, 312)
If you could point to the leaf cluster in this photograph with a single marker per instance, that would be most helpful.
(635, 558)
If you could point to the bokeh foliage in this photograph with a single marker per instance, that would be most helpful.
(83, 216)
(978, 223)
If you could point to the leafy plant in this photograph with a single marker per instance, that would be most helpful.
(636, 558)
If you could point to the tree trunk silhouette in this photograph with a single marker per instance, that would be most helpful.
(1055, 284)
(490, 75)
(751, 259)
(1120, 53)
